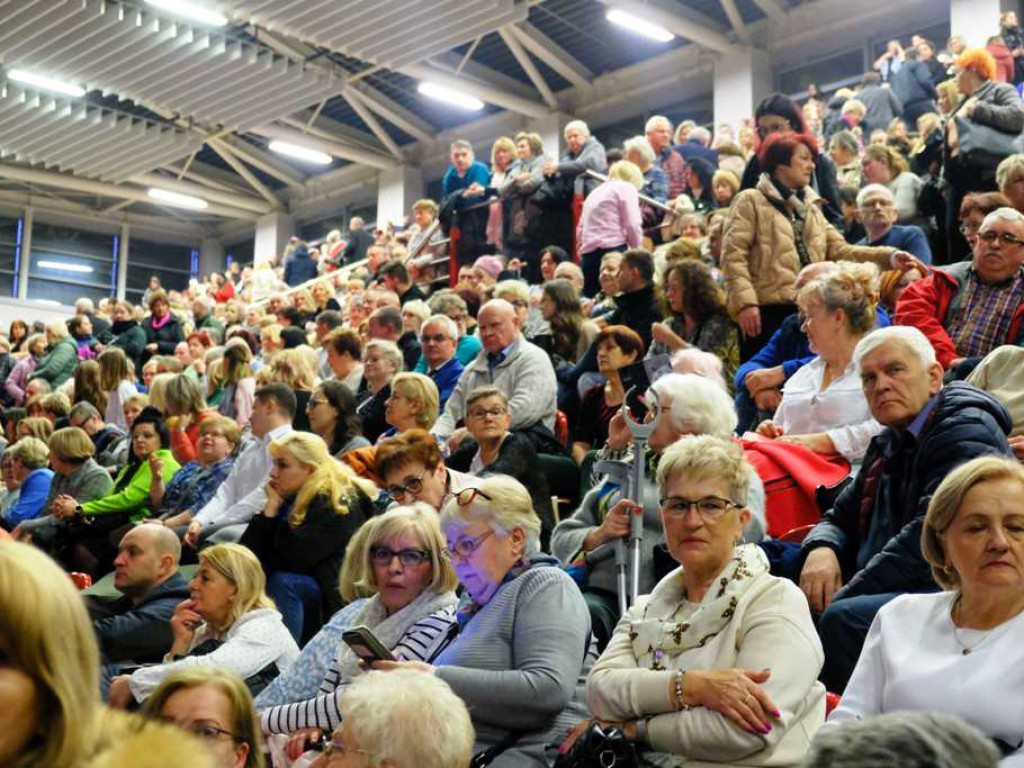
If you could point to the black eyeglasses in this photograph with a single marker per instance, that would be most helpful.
(1003, 237)
(479, 413)
(464, 547)
(407, 557)
(412, 486)
(710, 508)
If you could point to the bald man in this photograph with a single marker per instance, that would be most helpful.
(135, 628)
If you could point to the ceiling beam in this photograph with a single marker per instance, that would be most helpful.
(773, 9)
(333, 148)
(484, 92)
(209, 176)
(210, 195)
(267, 162)
(545, 49)
(700, 34)
(528, 66)
(228, 156)
(736, 20)
(355, 101)
(395, 113)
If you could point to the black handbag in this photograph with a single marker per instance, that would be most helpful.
(600, 748)
(982, 146)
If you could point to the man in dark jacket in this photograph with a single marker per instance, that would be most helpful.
(136, 628)
(300, 267)
(881, 105)
(914, 88)
(583, 152)
(866, 551)
(359, 241)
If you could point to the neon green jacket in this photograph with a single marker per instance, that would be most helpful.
(134, 497)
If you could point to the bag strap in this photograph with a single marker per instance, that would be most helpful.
(482, 759)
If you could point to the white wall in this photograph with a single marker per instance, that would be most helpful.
(30, 311)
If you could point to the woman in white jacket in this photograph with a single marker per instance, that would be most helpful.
(719, 664)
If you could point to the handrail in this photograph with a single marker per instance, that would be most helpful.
(643, 198)
(342, 272)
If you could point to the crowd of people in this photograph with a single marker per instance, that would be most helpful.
(368, 505)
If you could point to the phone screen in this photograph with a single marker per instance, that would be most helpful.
(634, 377)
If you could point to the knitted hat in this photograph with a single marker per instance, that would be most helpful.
(489, 264)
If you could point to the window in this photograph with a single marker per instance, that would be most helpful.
(68, 264)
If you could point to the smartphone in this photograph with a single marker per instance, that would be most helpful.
(636, 382)
(365, 645)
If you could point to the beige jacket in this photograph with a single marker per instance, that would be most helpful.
(771, 628)
(759, 257)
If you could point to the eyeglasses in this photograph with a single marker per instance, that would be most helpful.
(204, 731)
(313, 402)
(412, 487)
(479, 413)
(337, 748)
(1003, 237)
(437, 338)
(467, 496)
(465, 547)
(710, 508)
(967, 229)
(407, 557)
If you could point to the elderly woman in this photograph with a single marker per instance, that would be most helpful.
(163, 331)
(772, 232)
(522, 648)
(691, 405)
(524, 177)
(495, 450)
(881, 164)
(402, 567)
(411, 466)
(228, 622)
(215, 706)
(679, 674)
(314, 506)
(30, 469)
(58, 365)
(823, 406)
(17, 381)
(844, 150)
(610, 221)
(332, 415)
(413, 404)
(381, 361)
(1010, 180)
(956, 651)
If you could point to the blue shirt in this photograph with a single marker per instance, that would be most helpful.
(655, 184)
(477, 173)
(905, 238)
(446, 377)
(34, 490)
(193, 486)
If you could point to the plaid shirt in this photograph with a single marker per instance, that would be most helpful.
(193, 486)
(675, 169)
(986, 312)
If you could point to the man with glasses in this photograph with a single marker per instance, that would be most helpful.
(439, 336)
(105, 437)
(969, 308)
(877, 209)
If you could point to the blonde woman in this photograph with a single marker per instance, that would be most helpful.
(296, 369)
(61, 357)
(271, 343)
(503, 152)
(314, 506)
(610, 221)
(236, 377)
(400, 563)
(882, 164)
(228, 622)
(118, 382)
(413, 404)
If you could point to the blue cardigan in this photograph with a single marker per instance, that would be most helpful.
(34, 491)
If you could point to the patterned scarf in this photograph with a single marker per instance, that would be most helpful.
(794, 205)
(656, 637)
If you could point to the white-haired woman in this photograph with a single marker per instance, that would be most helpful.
(956, 651)
(719, 663)
(583, 152)
(413, 404)
(610, 221)
(519, 658)
(381, 361)
(691, 405)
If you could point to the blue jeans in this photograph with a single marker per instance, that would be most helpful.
(298, 599)
(843, 627)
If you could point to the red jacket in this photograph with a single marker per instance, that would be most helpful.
(928, 305)
(1004, 62)
(226, 293)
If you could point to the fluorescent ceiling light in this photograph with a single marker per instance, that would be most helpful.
(47, 83)
(48, 302)
(191, 11)
(447, 95)
(302, 153)
(63, 267)
(176, 199)
(639, 26)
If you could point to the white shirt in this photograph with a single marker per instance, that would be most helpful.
(912, 660)
(839, 411)
(115, 405)
(241, 495)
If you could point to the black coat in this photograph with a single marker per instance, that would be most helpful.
(637, 310)
(166, 338)
(966, 423)
(300, 267)
(359, 242)
(913, 83)
(138, 633)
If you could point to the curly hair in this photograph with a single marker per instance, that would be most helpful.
(703, 297)
(852, 288)
(979, 61)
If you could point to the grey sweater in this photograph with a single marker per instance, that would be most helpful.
(520, 663)
(87, 483)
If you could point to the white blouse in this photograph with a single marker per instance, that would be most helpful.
(839, 411)
(913, 660)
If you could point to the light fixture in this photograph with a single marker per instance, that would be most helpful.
(44, 82)
(47, 302)
(63, 266)
(449, 96)
(176, 199)
(191, 11)
(302, 153)
(639, 26)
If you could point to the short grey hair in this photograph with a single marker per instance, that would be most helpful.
(902, 740)
(507, 505)
(700, 363)
(907, 335)
(845, 140)
(1011, 215)
(461, 144)
(707, 457)
(515, 288)
(701, 134)
(388, 350)
(450, 327)
(877, 189)
(206, 301)
(641, 146)
(698, 405)
(577, 125)
(444, 300)
(84, 305)
(655, 121)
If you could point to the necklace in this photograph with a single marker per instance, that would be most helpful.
(965, 650)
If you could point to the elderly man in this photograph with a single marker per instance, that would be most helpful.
(583, 153)
(464, 185)
(521, 370)
(387, 324)
(359, 241)
(453, 306)
(439, 336)
(878, 214)
(205, 320)
(969, 308)
(867, 548)
(136, 628)
(659, 136)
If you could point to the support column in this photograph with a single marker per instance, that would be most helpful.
(551, 129)
(122, 261)
(272, 233)
(974, 20)
(212, 256)
(26, 253)
(397, 189)
(741, 80)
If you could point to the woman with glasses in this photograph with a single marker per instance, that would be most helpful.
(521, 652)
(314, 506)
(973, 210)
(332, 415)
(214, 706)
(412, 468)
(719, 663)
(399, 563)
(413, 404)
